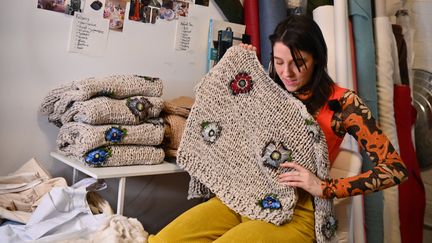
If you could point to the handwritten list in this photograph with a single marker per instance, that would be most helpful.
(89, 34)
(184, 34)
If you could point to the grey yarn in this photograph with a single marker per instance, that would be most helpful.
(124, 155)
(104, 110)
(231, 163)
(78, 138)
(116, 86)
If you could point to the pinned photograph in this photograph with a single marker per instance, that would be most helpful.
(62, 6)
(115, 12)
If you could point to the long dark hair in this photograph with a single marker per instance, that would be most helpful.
(301, 33)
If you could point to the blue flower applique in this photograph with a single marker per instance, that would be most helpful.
(139, 107)
(274, 155)
(115, 134)
(270, 202)
(97, 157)
(210, 131)
(330, 226)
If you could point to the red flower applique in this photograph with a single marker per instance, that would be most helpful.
(242, 83)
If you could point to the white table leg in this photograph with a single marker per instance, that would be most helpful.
(121, 192)
(74, 175)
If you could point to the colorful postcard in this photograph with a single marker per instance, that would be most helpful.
(115, 12)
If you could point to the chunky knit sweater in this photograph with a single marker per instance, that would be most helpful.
(241, 127)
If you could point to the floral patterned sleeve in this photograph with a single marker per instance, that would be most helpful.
(356, 119)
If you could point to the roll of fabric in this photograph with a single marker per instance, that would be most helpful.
(232, 9)
(115, 86)
(385, 50)
(412, 198)
(402, 53)
(271, 12)
(251, 17)
(361, 14)
(324, 17)
(122, 155)
(104, 110)
(78, 138)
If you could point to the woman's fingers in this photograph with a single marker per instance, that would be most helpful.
(247, 47)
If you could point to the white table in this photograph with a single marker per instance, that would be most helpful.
(120, 172)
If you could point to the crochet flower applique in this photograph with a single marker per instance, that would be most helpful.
(270, 202)
(242, 83)
(115, 134)
(210, 131)
(274, 155)
(313, 129)
(329, 227)
(97, 157)
(139, 107)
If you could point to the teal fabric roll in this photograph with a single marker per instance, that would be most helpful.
(271, 12)
(361, 13)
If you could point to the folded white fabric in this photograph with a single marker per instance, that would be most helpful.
(241, 127)
(115, 86)
(104, 110)
(78, 138)
(121, 155)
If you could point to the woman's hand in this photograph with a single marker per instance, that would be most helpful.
(300, 177)
(247, 47)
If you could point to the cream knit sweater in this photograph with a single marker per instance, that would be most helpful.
(241, 127)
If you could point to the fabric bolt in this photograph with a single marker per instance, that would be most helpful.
(403, 19)
(235, 138)
(313, 4)
(271, 12)
(386, 62)
(251, 20)
(104, 110)
(122, 155)
(402, 53)
(361, 14)
(115, 86)
(342, 53)
(78, 138)
(412, 198)
(179, 106)
(421, 14)
(324, 16)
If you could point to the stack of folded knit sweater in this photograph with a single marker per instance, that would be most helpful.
(109, 121)
(175, 113)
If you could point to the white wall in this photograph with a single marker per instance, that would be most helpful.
(34, 60)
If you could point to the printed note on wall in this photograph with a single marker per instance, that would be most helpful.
(184, 35)
(89, 34)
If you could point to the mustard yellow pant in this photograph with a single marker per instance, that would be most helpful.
(212, 221)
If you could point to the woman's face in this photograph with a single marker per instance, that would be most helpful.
(285, 67)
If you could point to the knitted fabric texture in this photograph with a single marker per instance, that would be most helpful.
(104, 110)
(241, 127)
(180, 106)
(115, 86)
(78, 138)
(174, 127)
(122, 155)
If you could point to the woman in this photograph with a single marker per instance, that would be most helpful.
(298, 64)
